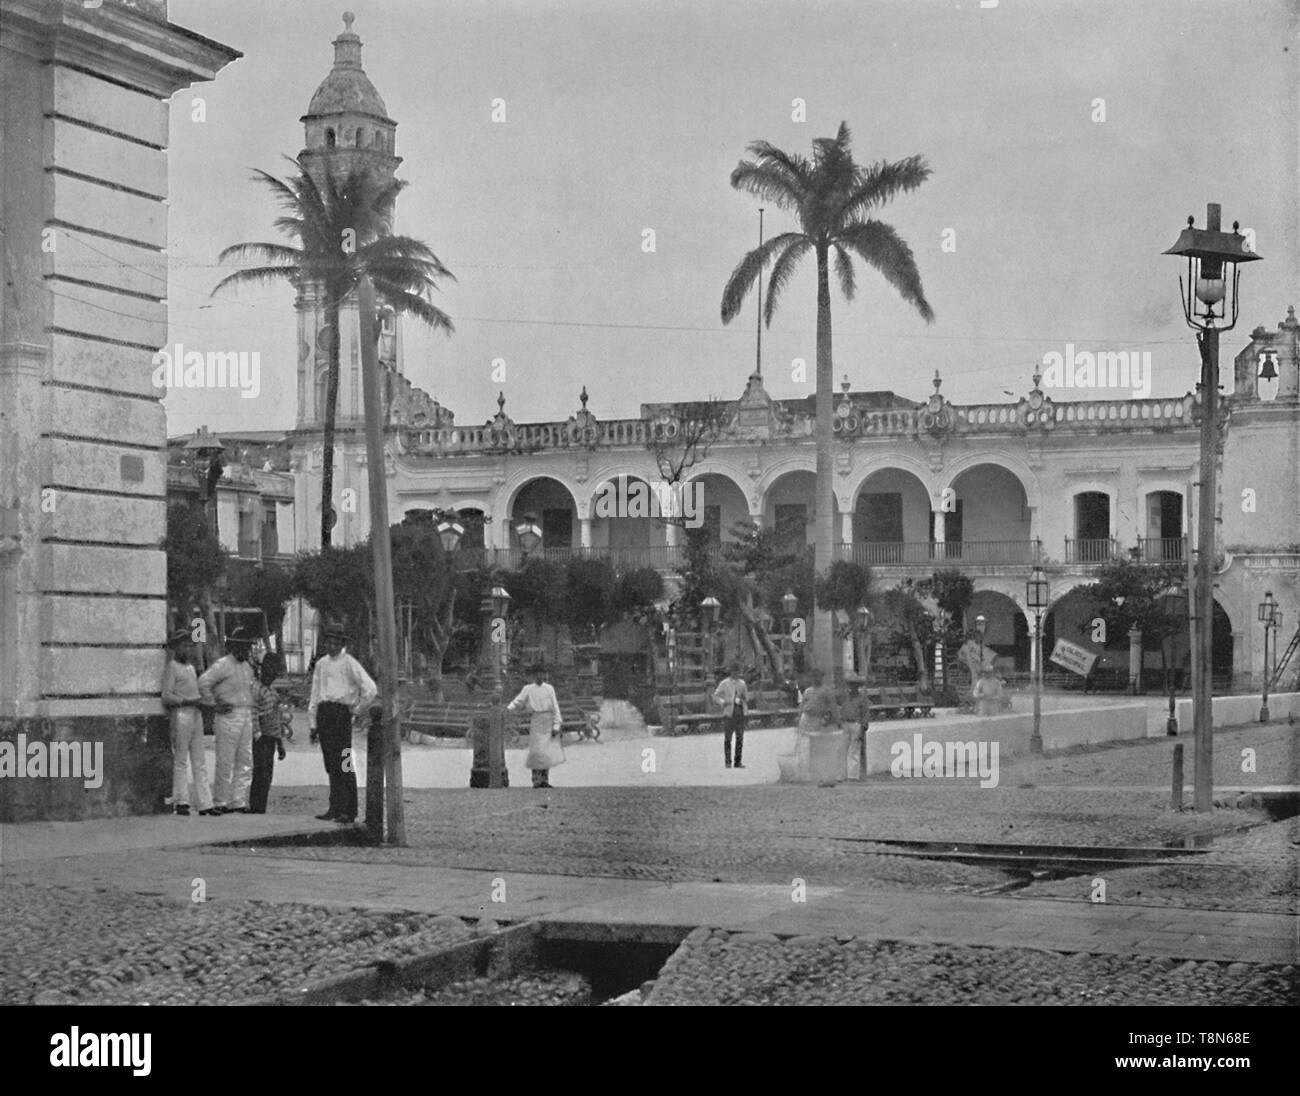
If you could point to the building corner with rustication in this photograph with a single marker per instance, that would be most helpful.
(84, 91)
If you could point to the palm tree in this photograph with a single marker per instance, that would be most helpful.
(831, 195)
(343, 230)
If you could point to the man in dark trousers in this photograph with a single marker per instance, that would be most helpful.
(733, 695)
(340, 691)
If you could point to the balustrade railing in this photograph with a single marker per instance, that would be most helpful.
(1091, 550)
(924, 553)
(1162, 549)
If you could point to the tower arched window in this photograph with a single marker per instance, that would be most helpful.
(329, 137)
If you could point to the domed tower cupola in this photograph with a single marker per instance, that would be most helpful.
(347, 125)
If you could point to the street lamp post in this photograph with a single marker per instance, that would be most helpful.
(1267, 615)
(980, 625)
(529, 534)
(864, 632)
(711, 610)
(1036, 600)
(1213, 257)
(494, 607)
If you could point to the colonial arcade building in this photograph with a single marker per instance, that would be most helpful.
(920, 482)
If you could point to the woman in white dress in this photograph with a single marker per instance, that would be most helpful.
(545, 750)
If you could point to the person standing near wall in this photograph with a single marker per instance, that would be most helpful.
(180, 696)
(227, 687)
(341, 690)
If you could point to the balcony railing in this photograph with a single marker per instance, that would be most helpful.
(925, 554)
(1091, 550)
(1162, 549)
(662, 557)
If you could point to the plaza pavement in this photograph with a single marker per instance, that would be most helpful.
(603, 908)
(162, 855)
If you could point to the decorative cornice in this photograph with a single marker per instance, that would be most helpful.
(114, 41)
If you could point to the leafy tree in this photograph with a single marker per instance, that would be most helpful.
(901, 613)
(844, 588)
(339, 584)
(764, 569)
(195, 563)
(1145, 596)
(425, 577)
(589, 601)
(636, 592)
(831, 195)
(537, 594)
(269, 588)
(343, 229)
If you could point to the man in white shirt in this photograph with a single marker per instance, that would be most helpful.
(341, 690)
(733, 695)
(180, 696)
(227, 687)
(544, 748)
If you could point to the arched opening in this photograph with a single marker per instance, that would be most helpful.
(985, 519)
(721, 503)
(790, 508)
(552, 504)
(329, 136)
(629, 521)
(892, 520)
(1006, 632)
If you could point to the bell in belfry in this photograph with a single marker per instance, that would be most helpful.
(1267, 378)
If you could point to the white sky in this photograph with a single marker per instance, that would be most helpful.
(623, 116)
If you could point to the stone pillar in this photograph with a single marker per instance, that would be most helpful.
(940, 532)
(584, 532)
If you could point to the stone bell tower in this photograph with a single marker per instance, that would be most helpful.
(347, 128)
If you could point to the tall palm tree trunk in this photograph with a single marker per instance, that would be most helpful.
(824, 655)
(327, 438)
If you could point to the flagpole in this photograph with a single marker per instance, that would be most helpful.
(758, 345)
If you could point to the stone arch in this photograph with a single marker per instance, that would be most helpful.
(881, 462)
(508, 496)
(1000, 458)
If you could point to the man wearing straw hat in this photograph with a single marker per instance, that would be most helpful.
(180, 696)
(228, 688)
(340, 691)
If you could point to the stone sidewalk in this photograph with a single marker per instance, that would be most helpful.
(157, 856)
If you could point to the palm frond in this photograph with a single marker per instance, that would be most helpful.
(782, 271)
(881, 182)
(880, 246)
(260, 252)
(412, 304)
(844, 271)
(257, 275)
(747, 272)
(794, 168)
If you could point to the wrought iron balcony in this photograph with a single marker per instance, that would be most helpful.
(1091, 551)
(930, 554)
(1162, 549)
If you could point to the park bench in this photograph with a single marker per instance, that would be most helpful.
(771, 708)
(455, 719)
(900, 701)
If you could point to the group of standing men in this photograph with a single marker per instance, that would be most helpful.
(248, 726)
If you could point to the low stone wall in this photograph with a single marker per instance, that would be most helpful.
(1061, 730)
(1233, 711)
(86, 767)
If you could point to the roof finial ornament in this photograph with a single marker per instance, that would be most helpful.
(844, 384)
(1038, 377)
(583, 397)
(501, 402)
(938, 381)
(348, 19)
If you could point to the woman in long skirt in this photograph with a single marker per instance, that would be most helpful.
(545, 750)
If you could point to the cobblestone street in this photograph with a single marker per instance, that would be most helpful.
(150, 943)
